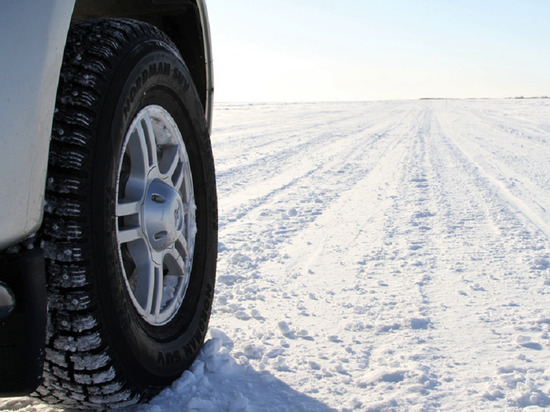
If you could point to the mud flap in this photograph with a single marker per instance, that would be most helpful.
(23, 332)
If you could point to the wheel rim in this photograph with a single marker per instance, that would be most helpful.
(155, 211)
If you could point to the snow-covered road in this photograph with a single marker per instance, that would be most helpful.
(378, 255)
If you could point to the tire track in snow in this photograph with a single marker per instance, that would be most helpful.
(368, 262)
(365, 285)
(275, 144)
(404, 349)
(330, 156)
(521, 183)
(326, 274)
(479, 282)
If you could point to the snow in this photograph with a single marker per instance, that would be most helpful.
(379, 255)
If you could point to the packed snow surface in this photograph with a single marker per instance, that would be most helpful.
(373, 256)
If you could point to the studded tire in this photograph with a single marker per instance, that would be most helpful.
(130, 224)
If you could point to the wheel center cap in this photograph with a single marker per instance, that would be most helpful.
(162, 215)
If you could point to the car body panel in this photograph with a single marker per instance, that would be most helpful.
(31, 46)
(32, 40)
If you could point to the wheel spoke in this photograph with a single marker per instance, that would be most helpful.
(129, 235)
(158, 292)
(182, 247)
(138, 152)
(145, 285)
(147, 141)
(178, 176)
(179, 253)
(189, 206)
(177, 278)
(170, 160)
(128, 209)
(177, 292)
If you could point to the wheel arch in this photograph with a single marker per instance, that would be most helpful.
(184, 21)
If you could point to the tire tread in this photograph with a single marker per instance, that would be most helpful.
(78, 371)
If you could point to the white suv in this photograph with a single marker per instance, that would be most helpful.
(108, 211)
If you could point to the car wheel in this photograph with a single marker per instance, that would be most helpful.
(130, 224)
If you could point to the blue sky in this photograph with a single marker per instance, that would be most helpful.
(348, 50)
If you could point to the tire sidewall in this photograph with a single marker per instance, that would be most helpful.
(152, 73)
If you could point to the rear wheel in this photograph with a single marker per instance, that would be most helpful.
(130, 225)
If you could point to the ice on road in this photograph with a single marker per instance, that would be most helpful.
(379, 255)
